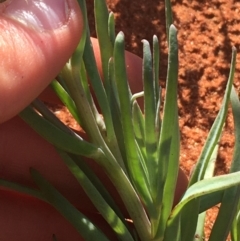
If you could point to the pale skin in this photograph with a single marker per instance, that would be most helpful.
(26, 69)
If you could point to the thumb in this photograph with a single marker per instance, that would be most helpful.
(37, 37)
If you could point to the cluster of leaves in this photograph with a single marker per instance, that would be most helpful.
(140, 153)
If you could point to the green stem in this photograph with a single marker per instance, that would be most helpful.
(107, 161)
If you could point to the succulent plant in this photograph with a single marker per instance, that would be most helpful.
(137, 147)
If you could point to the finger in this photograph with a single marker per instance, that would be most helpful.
(36, 40)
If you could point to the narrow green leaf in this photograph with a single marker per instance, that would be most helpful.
(208, 174)
(102, 100)
(94, 77)
(150, 104)
(101, 22)
(235, 166)
(229, 204)
(210, 200)
(22, 189)
(174, 233)
(235, 230)
(139, 127)
(134, 166)
(200, 227)
(158, 117)
(215, 131)
(118, 225)
(81, 163)
(69, 142)
(189, 220)
(156, 54)
(116, 115)
(107, 160)
(204, 187)
(226, 214)
(111, 28)
(168, 16)
(81, 223)
(78, 53)
(40, 107)
(214, 198)
(89, 123)
(169, 142)
(66, 99)
(85, 84)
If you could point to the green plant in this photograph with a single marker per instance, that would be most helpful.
(139, 153)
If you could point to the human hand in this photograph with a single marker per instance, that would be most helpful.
(30, 59)
(36, 39)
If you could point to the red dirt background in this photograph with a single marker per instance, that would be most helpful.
(207, 30)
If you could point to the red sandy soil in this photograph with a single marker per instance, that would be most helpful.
(207, 30)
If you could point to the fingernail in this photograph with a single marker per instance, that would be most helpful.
(38, 14)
